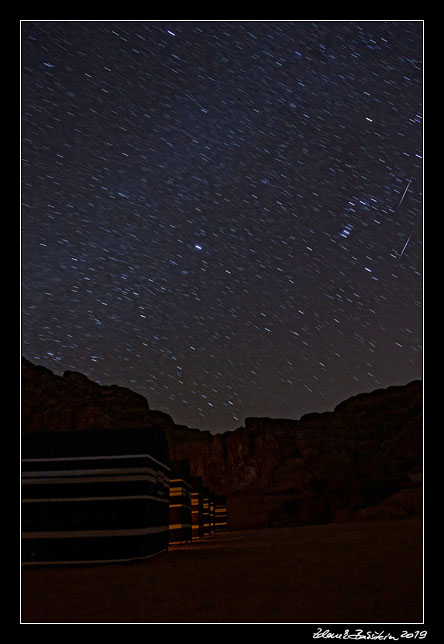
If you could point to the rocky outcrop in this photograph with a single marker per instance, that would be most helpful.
(320, 468)
(72, 401)
(361, 461)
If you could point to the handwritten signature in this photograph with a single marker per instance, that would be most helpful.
(359, 634)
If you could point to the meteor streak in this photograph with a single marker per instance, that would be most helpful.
(405, 192)
(400, 202)
(405, 246)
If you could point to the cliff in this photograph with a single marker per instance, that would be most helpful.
(360, 462)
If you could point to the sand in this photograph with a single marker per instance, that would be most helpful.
(338, 573)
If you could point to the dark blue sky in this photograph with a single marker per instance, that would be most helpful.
(211, 210)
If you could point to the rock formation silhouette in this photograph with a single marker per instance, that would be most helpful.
(360, 462)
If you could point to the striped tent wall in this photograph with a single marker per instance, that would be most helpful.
(180, 517)
(212, 515)
(94, 495)
(206, 511)
(197, 508)
(221, 522)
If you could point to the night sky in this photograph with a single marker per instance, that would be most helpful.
(224, 216)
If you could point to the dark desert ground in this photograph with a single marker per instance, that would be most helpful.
(336, 573)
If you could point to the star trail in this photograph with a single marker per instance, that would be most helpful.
(224, 216)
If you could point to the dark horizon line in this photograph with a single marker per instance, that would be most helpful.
(226, 431)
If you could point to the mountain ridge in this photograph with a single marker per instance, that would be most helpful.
(360, 461)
